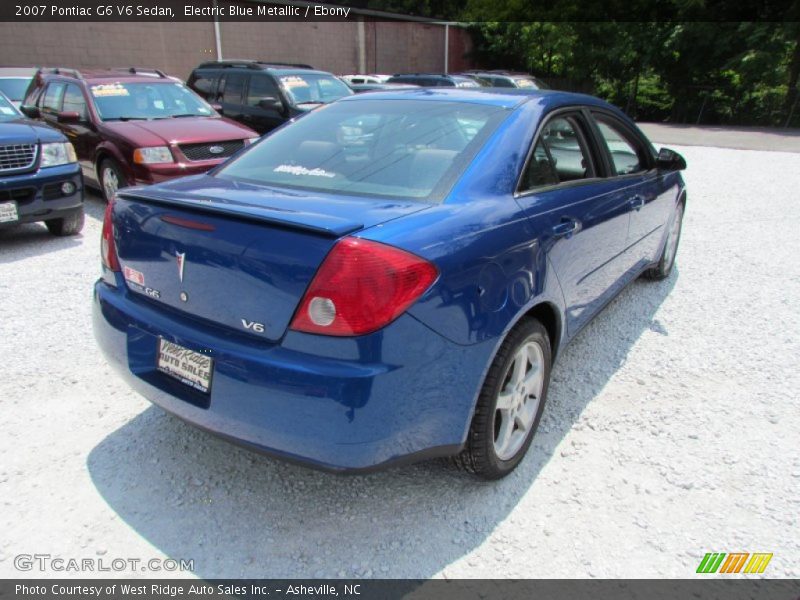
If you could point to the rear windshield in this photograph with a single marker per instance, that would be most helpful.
(157, 100)
(409, 149)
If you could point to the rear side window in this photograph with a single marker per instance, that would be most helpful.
(628, 155)
(561, 154)
(51, 101)
(385, 148)
(74, 101)
(205, 84)
(234, 87)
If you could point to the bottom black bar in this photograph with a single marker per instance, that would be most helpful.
(411, 589)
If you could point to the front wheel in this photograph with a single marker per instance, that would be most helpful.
(69, 225)
(667, 260)
(111, 178)
(510, 404)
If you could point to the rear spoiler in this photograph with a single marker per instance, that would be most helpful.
(318, 223)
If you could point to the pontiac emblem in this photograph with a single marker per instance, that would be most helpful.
(181, 257)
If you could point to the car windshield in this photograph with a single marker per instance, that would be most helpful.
(313, 88)
(8, 111)
(147, 100)
(410, 149)
(14, 88)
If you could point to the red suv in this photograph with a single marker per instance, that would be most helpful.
(133, 126)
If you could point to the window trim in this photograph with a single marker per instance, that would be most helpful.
(628, 132)
(591, 142)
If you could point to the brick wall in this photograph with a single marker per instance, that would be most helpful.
(178, 47)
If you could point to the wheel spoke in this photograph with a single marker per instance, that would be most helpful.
(505, 400)
(520, 366)
(503, 440)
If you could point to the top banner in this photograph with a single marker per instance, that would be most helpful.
(171, 10)
(433, 12)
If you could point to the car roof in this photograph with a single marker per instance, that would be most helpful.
(27, 72)
(502, 97)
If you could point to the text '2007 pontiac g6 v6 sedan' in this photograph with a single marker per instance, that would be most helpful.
(388, 278)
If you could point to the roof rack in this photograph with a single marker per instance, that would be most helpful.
(141, 71)
(60, 71)
(251, 64)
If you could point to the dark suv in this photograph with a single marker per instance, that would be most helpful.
(133, 126)
(265, 95)
(39, 175)
(434, 80)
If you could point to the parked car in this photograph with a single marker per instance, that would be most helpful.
(371, 87)
(265, 95)
(133, 126)
(361, 79)
(510, 79)
(434, 80)
(40, 179)
(14, 81)
(387, 279)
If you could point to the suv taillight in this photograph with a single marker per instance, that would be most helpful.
(360, 287)
(108, 250)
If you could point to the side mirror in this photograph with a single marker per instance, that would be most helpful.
(32, 112)
(217, 107)
(271, 103)
(669, 160)
(68, 116)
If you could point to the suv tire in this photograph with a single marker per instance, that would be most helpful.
(70, 225)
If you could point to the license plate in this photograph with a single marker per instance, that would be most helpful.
(190, 367)
(8, 212)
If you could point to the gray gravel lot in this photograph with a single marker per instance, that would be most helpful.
(672, 430)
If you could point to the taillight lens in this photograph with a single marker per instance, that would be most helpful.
(108, 250)
(360, 287)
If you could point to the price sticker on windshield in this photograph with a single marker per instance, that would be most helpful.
(109, 89)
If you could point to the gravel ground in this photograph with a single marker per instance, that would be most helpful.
(671, 430)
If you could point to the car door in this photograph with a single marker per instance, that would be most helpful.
(231, 95)
(256, 116)
(631, 166)
(81, 132)
(583, 223)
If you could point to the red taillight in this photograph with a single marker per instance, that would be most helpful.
(108, 250)
(361, 287)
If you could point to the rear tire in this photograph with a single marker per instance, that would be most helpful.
(70, 225)
(665, 263)
(111, 178)
(510, 404)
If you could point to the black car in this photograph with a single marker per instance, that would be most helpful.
(434, 80)
(264, 95)
(40, 179)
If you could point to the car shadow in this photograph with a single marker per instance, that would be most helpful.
(25, 241)
(240, 514)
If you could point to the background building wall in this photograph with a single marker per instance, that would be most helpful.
(176, 48)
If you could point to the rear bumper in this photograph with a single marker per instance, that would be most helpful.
(38, 195)
(157, 173)
(401, 394)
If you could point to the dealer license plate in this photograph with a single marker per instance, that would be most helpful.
(192, 368)
(8, 212)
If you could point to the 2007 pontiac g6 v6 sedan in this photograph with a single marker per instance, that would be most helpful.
(388, 278)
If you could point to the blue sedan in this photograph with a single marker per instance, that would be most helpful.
(389, 278)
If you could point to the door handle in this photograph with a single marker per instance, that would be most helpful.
(637, 202)
(566, 227)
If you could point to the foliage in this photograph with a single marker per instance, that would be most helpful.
(694, 71)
